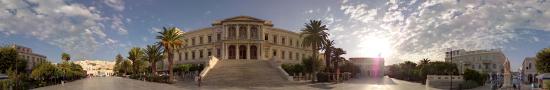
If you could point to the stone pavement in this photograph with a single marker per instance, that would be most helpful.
(117, 83)
(110, 83)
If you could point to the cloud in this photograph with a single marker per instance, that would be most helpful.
(118, 24)
(418, 29)
(73, 27)
(155, 30)
(115, 4)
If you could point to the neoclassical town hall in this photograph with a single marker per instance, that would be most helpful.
(241, 38)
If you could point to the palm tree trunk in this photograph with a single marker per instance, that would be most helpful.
(154, 67)
(170, 63)
(328, 52)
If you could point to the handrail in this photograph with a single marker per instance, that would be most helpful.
(274, 64)
(211, 63)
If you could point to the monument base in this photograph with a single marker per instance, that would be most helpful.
(507, 83)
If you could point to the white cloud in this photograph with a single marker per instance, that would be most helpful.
(155, 30)
(73, 27)
(118, 24)
(419, 29)
(115, 4)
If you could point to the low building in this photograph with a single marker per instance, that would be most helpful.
(97, 67)
(370, 67)
(488, 61)
(528, 70)
(26, 53)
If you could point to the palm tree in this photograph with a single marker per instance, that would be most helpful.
(135, 56)
(328, 47)
(424, 61)
(65, 56)
(314, 36)
(153, 54)
(337, 57)
(170, 39)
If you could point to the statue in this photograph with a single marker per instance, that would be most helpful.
(507, 83)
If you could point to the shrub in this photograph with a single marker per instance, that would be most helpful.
(322, 77)
(475, 76)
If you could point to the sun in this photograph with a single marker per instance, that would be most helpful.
(375, 47)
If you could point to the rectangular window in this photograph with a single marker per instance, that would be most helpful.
(209, 52)
(193, 54)
(282, 54)
(187, 41)
(275, 39)
(290, 55)
(219, 52)
(193, 41)
(200, 40)
(209, 39)
(219, 36)
(186, 56)
(266, 37)
(200, 54)
(283, 40)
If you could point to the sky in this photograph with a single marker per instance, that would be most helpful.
(398, 30)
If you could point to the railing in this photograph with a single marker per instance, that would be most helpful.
(276, 64)
(211, 63)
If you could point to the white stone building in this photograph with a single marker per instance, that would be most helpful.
(370, 67)
(97, 67)
(488, 61)
(528, 70)
(240, 38)
(26, 53)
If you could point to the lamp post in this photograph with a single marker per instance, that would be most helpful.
(451, 72)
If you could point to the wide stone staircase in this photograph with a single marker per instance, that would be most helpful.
(245, 73)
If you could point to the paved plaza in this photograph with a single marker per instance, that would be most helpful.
(117, 83)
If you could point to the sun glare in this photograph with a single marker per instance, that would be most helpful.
(375, 47)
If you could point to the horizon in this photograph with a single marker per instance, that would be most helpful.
(398, 31)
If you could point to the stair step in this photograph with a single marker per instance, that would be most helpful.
(243, 73)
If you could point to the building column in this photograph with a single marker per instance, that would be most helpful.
(237, 31)
(225, 51)
(237, 54)
(248, 52)
(248, 30)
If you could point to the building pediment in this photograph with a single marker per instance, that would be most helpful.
(243, 18)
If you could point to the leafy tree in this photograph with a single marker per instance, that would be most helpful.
(153, 54)
(310, 64)
(45, 71)
(314, 35)
(118, 59)
(71, 71)
(170, 39)
(9, 60)
(65, 57)
(543, 61)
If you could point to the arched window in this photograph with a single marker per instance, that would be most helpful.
(232, 54)
(242, 32)
(242, 52)
(232, 32)
(253, 52)
(254, 32)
